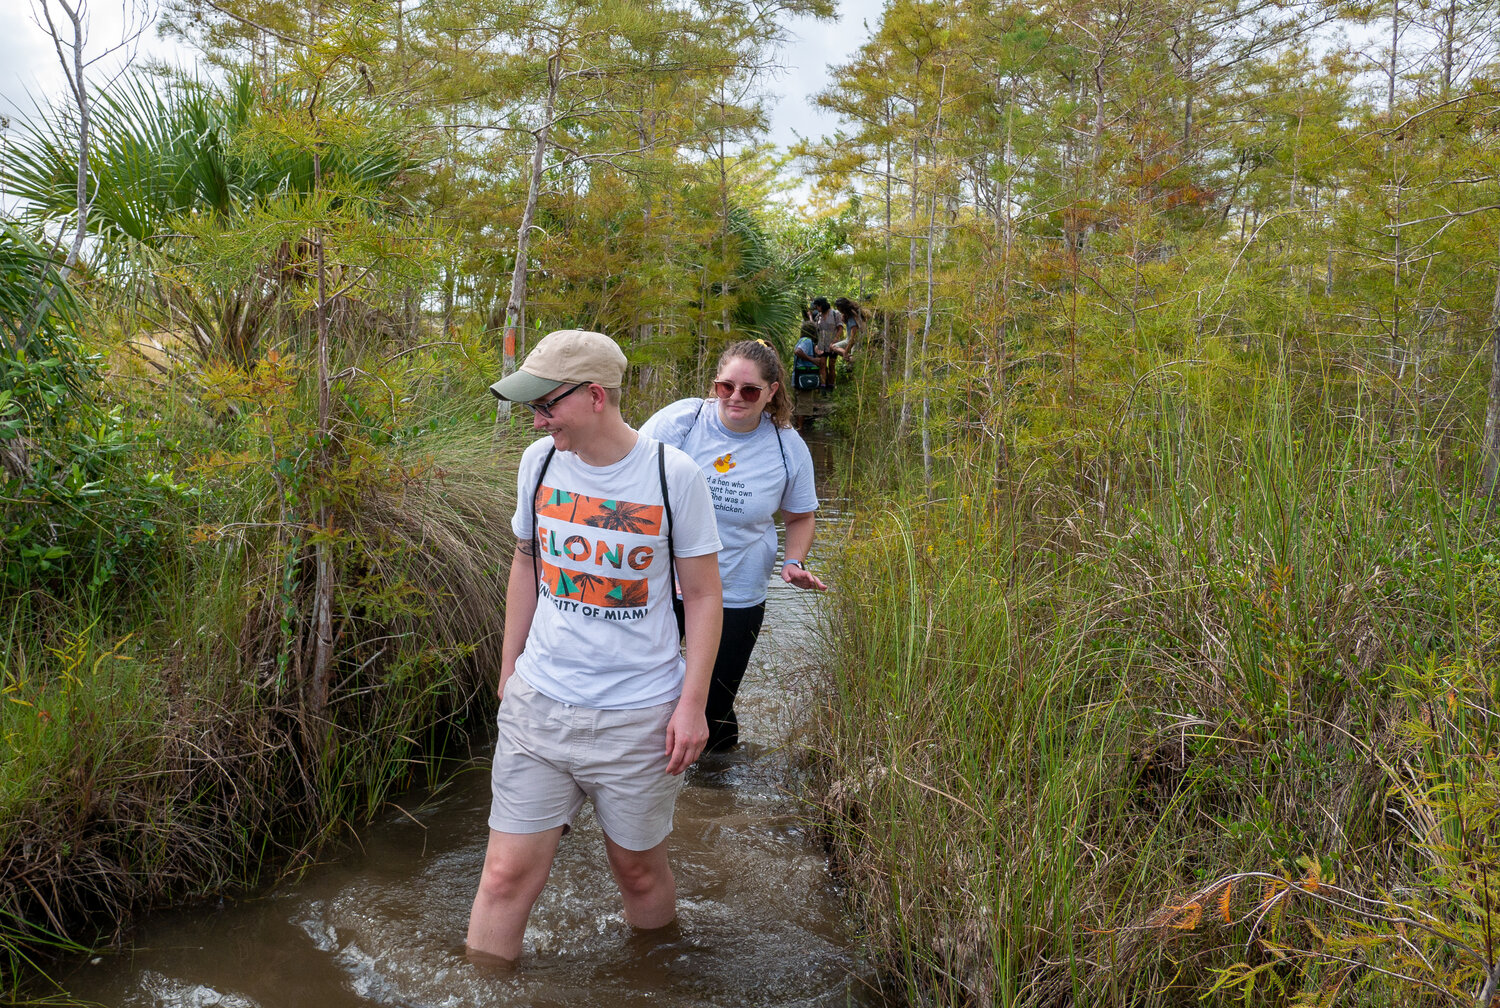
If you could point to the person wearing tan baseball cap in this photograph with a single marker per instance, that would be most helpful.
(564, 357)
(596, 700)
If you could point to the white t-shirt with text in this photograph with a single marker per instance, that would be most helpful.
(751, 476)
(604, 636)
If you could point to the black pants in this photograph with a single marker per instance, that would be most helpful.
(736, 641)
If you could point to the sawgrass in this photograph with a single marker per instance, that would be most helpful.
(1065, 712)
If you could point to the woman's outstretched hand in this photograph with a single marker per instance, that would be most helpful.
(801, 577)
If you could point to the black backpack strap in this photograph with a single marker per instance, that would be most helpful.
(666, 500)
(536, 491)
(785, 465)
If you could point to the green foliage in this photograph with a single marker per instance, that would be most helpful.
(965, 752)
(38, 313)
(1427, 936)
(80, 506)
(265, 216)
(1161, 715)
(391, 504)
(85, 513)
(768, 303)
(164, 153)
(206, 197)
(1190, 326)
(169, 736)
(1056, 204)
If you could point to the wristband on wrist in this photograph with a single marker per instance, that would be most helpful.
(792, 563)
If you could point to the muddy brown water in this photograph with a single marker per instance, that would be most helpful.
(761, 921)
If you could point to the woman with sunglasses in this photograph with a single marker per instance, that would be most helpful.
(756, 465)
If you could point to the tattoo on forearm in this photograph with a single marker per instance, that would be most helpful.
(526, 546)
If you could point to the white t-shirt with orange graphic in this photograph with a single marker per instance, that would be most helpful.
(749, 482)
(603, 635)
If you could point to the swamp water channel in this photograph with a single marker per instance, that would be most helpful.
(761, 922)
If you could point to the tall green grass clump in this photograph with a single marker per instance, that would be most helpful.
(85, 533)
(968, 738)
(159, 731)
(1190, 727)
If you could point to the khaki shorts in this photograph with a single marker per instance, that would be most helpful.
(550, 756)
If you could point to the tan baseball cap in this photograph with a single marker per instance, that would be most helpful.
(564, 357)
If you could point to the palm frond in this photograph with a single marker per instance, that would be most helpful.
(769, 306)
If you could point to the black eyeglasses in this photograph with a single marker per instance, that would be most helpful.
(726, 389)
(544, 409)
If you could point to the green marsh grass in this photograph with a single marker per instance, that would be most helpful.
(1061, 717)
(153, 751)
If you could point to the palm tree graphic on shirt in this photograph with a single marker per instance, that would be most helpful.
(566, 585)
(601, 513)
(632, 593)
(605, 515)
(596, 589)
(623, 516)
(583, 581)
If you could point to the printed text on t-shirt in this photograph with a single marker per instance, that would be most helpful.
(600, 539)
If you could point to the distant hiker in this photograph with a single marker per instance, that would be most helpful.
(830, 331)
(854, 325)
(756, 465)
(807, 366)
(596, 700)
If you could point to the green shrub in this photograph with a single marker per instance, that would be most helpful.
(1161, 736)
(80, 506)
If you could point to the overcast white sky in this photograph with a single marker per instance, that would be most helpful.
(28, 64)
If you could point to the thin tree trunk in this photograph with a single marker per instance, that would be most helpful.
(700, 351)
(73, 72)
(904, 424)
(1291, 196)
(1390, 108)
(1390, 99)
(80, 94)
(1188, 69)
(322, 657)
(1002, 355)
(1398, 351)
(885, 314)
(1450, 27)
(937, 129)
(725, 289)
(322, 665)
(1395, 327)
(1097, 154)
(449, 279)
(1491, 447)
(515, 305)
(644, 129)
